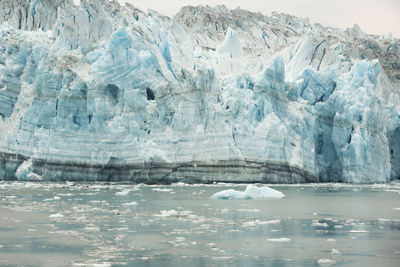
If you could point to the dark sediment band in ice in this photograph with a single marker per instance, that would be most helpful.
(232, 171)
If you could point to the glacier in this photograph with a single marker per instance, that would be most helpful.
(104, 92)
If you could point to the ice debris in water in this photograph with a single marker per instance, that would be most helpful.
(258, 222)
(335, 252)
(279, 240)
(317, 223)
(123, 192)
(326, 262)
(251, 192)
(174, 213)
(133, 203)
(56, 215)
(167, 213)
(162, 189)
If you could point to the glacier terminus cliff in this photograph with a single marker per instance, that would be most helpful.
(104, 92)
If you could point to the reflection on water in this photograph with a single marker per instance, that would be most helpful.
(137, 225)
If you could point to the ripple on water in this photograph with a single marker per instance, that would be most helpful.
(116, 229)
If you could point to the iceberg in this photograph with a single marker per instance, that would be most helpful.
(251, 192)
(106, 92)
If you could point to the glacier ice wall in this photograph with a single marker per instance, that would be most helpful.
(106, 92)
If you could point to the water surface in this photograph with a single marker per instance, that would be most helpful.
(73, 224)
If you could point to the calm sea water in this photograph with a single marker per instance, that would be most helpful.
(68, 224)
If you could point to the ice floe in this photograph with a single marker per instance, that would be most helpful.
(251, 192)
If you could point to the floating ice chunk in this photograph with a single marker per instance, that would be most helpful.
(230, 194)
(316, 223)
(65, 194)
(249, 210)
(251, 192)
(222, 258)
(162, 189)
(4, 186)
(358, 231)
(249, 224)
(56, 215)
(335, 252)
(276, 221)
(104, 264)
(32, 185)
(167, 213)
(223, 211)
(326, 262)
(279, 240)
(123, 192)
(263, 192)
(92, 228)
(180, 239)
(133, 203)
(382, 220)
(258, 222)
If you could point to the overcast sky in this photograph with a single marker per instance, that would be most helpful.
(373, 16)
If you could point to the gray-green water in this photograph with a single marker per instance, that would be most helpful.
(179, 225)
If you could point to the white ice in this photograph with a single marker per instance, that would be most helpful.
(251, 192)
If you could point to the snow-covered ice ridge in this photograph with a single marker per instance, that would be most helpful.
(107, 92)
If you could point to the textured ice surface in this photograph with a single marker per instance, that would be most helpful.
(101, 91)
(251, 192)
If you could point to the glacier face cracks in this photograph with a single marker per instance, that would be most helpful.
(106, 92)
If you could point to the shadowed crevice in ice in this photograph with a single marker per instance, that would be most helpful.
(394, 146)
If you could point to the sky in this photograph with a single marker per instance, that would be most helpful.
(373, 16)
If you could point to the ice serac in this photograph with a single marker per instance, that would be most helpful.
(104, 92)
